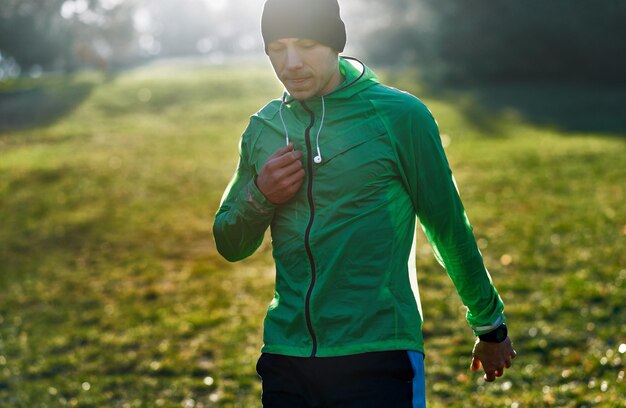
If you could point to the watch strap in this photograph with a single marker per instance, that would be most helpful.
(498, 335)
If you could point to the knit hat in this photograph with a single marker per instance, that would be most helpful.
(317, 20)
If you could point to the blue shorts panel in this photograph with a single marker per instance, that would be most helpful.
(419, 379)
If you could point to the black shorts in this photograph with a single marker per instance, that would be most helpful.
(390, 379)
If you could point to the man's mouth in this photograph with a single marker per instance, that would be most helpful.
(298, 81)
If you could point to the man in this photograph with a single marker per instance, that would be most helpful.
(338, 169)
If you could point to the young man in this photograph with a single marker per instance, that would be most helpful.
(338, 169)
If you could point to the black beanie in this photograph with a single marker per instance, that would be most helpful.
(317, 20)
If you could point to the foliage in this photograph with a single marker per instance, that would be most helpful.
(29, 34)
(453, 41)
(494, 40)
(112, 293)
(109, 34)
(65, 34)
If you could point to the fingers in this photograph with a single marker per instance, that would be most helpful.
(492, 371)
(490, 374)
(508, 362)
(282, 151)
(293, 167)
(475, 365)
(286, 152)
(281, 175)
(284, 181)
(295, 180)
(285, 159)
(288, 175)
(288, 187)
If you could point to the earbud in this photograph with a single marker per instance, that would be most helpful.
(317, 159)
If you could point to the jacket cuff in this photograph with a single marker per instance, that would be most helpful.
(478, 330)
(255, 199)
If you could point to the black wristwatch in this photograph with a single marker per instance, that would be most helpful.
(495, 336)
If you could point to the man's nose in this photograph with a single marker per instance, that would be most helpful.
(294, 60)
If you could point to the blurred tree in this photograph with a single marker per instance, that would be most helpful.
(533, 40)
(572, 40)
(482, 40)
(32, 32)
(66, 33)
(102, 32)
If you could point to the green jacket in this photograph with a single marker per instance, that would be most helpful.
(342, 245)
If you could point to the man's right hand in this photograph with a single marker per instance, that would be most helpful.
(281, 175)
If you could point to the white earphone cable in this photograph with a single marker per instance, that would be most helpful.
(318, 158)
(280, 113)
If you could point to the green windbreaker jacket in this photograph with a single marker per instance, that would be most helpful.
(342, 245)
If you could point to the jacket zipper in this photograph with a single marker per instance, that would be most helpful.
(307, 234)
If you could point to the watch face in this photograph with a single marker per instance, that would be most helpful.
(501, 334)
(496, 336)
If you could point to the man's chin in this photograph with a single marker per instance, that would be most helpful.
(300, 95)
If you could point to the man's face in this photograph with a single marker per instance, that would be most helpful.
(305, 67)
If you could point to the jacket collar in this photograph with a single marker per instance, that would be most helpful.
(357, 78)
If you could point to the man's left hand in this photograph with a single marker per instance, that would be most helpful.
(494, 358)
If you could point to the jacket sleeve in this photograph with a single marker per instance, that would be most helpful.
(438, 206)
(244, 214)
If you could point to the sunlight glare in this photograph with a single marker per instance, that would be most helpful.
(110, 4)
(205, 45)
(216, 4)
(71, 7)
(247, 42)
(149, 44)
(142, 20)
(67, 9)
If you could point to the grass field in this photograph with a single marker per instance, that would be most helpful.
(112, 293)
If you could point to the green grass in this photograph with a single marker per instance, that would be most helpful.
(112, 292)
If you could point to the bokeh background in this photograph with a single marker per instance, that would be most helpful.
(119, 127)
(485, 41)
